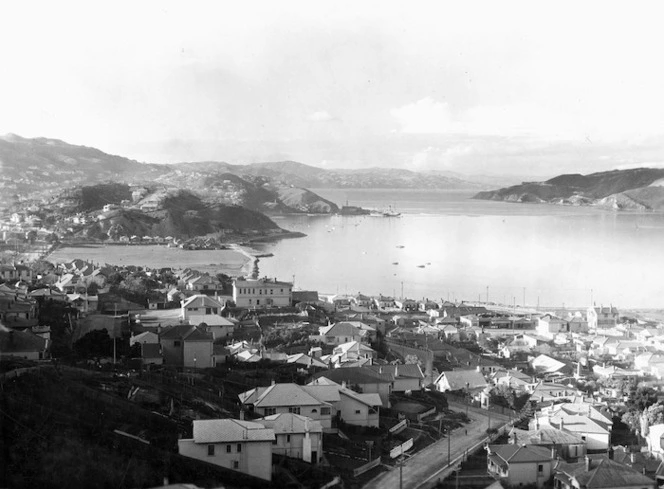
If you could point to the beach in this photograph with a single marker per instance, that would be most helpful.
(234, 262)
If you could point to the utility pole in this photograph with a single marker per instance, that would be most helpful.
(449, 449)
(487, 294)
(524, 297)
(401, 470)
(402, 289)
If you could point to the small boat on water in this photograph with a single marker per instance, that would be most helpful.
(395, 263)
(420, 266)
(400, 246)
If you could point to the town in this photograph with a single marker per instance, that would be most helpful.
(245, 382)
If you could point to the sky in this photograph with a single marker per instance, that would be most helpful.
(518, 88)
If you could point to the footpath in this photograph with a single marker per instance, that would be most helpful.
(425, 468)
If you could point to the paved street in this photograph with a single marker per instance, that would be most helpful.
(424, 468)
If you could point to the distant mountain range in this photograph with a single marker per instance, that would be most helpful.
(634, 189)
(41, 166)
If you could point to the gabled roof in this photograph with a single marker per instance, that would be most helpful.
(545, 436)
(579, 424)
(603, 473)
(279, 395)
(343, 328)
(291, 423)
(20, 341)
(230, 430)
(463, 379)
(324, 392)
(370, 399)
(200, 300)
(409, 370)
(185, 332)
(356, 375)
(506, 454)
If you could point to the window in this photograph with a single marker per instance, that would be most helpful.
(239, 448)
(287, 438)
(208, 310)
(282, 291)
(357, 411)
(236, 464)
(270, 411)
(583, 437)
(228, 449)
(325, 411)
(540, 468)
(210, 450)
(176, 343)
(271, 291)
(314, 411)
(294, 410)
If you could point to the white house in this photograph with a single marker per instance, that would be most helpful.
(234, 444)
(518, 465)
(263, 292)
(295, 436)
(286, 398)
(455, 380)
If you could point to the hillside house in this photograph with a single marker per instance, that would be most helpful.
(350, 406)
(295, 436)
(599, 473)
(364, 380)
(286, 398)
(518, 465)
(602, 317)
(187, 346)
(238, 445)
(471, 381)
(22, 344)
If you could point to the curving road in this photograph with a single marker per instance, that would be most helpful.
(423, 469)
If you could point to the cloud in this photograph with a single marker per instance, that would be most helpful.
(320, 116)
(426, 116)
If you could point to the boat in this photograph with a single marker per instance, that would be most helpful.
(395, 263)
(420, 266)
(400, 246)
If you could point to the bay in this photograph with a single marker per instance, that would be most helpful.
(449, 246)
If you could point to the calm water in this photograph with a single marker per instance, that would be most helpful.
(552, 254)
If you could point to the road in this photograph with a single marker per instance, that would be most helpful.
(424, 468)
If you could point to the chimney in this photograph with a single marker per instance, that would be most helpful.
(632, 457)
(587, 464)
(272, 382)
(554, 452)
(241, 415)
(562, 423)
(343, 384)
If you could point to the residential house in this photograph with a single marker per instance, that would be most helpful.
(187, 346)
(262, 293)
(144, 337)
(22, 344)
(238, 445)
(514, 379)
(340, 333)
(550, 325)
(594, 433)
(350, 352)
(544, 364)
(204, 283)
(151, 354)
(301, 359)
(295, 436)
(363, 380)
(408, 377)
(286, 398)
(602, 317)
(352, 407)
(599, 473)
(471, 381)
(568, 446)
(517, 465)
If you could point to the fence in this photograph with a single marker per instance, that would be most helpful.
(368, 466)
(399, 427)
(423, 415)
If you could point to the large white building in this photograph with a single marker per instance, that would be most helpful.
(264, 292)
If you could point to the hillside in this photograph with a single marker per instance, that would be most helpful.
(636, 189)
(175, 212)
(301, 175)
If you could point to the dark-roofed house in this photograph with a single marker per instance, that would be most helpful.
(187, 346)
(599, 474)
(339, 333)
(22, 344)
(568, 446)
(457, 380)
(362, 379)
(239, 445)
(518, 465)
(151, 354)
(408, 377)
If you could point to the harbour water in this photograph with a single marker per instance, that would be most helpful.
(447, 246)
